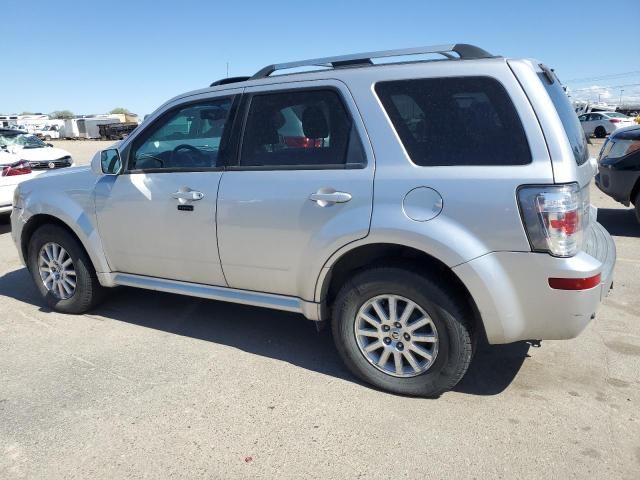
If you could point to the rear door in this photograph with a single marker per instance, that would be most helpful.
(302, 187)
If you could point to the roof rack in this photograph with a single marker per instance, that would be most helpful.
(224, 81)
(463, 50)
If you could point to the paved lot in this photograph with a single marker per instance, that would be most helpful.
(153, 385)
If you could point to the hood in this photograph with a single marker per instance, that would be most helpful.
(7, 158)
(40, 154)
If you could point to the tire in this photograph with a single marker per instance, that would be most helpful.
(600, 132)
(47, 138)
(87, 292)
(450, 323)
(636, 204)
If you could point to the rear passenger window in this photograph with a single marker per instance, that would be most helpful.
(455, 121)
(300, 129)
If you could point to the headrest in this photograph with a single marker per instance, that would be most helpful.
(314, 123)
(267, 133)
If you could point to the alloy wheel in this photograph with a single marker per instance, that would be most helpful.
(396, 335)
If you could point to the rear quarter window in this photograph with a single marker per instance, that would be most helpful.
(455, 121)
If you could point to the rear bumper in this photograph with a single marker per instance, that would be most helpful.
(616, 183)
(515, 300)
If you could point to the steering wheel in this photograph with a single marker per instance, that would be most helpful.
(200, 157)
(155, 159)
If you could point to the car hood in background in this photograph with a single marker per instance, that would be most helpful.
(39, 154)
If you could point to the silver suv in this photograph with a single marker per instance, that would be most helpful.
(418, 206)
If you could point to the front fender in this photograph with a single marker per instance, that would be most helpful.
(70, 199)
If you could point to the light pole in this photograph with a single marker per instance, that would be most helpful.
(621, 90)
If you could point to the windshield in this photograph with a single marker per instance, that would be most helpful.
(569, 119)
(22, 140)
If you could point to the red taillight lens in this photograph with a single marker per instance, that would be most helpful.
(574, 283)
(615, 120)
(18, 168)
(302, 142)
(555, 217)
(567, 223)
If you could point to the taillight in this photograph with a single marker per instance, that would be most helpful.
(302, 142)
(615, 120)
(19, 168)
(554, 217)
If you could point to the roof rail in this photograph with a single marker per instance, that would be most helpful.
(464, 51)
(224, 81)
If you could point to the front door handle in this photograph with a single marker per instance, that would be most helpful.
(188, 194)
(326, 198)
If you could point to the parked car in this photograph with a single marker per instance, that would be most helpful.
(261, 192)
(619, 167)
(29, 147)
(48, 132)
(23, 156)
(13, 170)
(602, 124)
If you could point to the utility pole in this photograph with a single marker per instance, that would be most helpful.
(227, 69)
(599, 95)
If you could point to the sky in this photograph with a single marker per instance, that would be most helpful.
(90, 57)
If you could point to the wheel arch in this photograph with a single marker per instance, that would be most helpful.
(389, 254)
(41, 219)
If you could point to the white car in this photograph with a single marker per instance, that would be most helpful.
(23, 156)
(14, 170)
(601, 124)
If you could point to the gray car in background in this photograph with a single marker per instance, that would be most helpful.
(418, 206)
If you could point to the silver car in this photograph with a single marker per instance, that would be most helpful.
(417, 206)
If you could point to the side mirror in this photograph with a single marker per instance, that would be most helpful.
(107, 162)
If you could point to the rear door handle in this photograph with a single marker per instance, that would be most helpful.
(191, 195)
(325, 199)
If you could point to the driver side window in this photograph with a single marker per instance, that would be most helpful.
(187, 138)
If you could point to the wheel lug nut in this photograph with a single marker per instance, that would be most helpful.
(397, 325)
(386, 328)
(400, 346)
(406, 336)
(387, 341)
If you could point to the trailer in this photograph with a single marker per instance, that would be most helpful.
(69, 129)
(88, 127)
(116, 131)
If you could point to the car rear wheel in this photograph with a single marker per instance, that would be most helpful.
(636, 204)
(600, 132)
(402, 332)
(62, 271)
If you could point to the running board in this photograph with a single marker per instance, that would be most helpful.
(245, 297)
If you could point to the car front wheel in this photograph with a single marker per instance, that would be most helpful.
(62, 271)
(402, 332)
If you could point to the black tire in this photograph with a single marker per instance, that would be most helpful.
(47, 138)
(88, 291)
(447, 310)
(636, 204)
(600, 132)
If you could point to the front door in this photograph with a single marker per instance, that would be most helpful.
(301, 189)
(158, 218)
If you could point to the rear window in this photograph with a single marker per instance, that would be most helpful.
(569, 119)
(455, 121)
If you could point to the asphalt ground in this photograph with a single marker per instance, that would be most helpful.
(153, 385)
